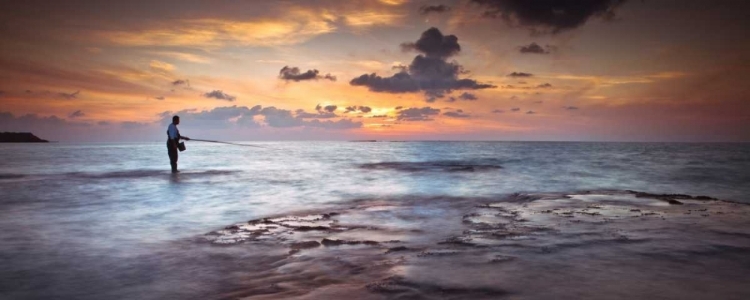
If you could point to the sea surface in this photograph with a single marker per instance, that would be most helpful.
(109, 221)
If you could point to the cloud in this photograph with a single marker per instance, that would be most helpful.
(283, 118)
(218, 117)
(570, 107)
(548, 16)
(365, 109)
(379, 116)
(68, 96)
(534, 48)
(531, 112)
(330, 108)
(515, 109)
(520, 74)
(134, 125)
(293, 74)
(50, 126)
(498, 111)
(434, 44)
(398, 107)
(160, 98)
(429, 72)
(217, 94)
(417, 114)
(456, 114)
(76, 114)
(468, 97)
(426, 9)
(544, 86)
(181, 82)
(157, 65)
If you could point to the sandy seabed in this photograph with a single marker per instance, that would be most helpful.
(582, 245)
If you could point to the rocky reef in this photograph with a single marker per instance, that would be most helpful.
(587, 244)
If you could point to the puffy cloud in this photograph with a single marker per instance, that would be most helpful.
(520, 74)
(218, 94)
(549, 16)
(434, 44)
(293, 74)
(49, 126)
(428, 72)
(417, 114)
(534, 48)
(330, 108)
(76, 114)
(426, 9)
(467, 97)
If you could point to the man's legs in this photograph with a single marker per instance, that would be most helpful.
(172, 151)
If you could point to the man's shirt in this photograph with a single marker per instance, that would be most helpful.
(172, 132)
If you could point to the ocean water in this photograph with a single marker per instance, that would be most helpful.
(108, 221)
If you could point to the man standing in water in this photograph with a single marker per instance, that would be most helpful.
(173, 140)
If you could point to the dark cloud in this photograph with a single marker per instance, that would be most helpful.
(103, 123)
(218, 117)
(520, 74)
(434, 44)
(330, 108)
(544, 86)
(379, 116)
(549, 16)
(426, 9)
(217, 94)
(531, 112)
(467, 97)
(570, 107)
(365, 109)
(398, 107)
(515, 109)
(293, 74)
(69, 96)
(181, 82)
(76, 114)
(456, 114)
(534, 48)
(417, 114)
(160, 98)
(428, 72)
(50, 126)
(498, 111)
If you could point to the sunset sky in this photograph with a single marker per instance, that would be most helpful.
(589, 70)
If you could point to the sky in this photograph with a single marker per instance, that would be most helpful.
(565, 70)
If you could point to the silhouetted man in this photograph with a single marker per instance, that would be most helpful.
(173, 139)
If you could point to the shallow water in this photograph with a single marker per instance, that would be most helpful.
(104, 221)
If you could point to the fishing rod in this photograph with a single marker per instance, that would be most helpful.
(228, 143)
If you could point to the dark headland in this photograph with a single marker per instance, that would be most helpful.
(20, 137)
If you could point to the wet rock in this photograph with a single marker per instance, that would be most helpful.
(305, 245)
(333, 242)
(397, 249)
(311, 228)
